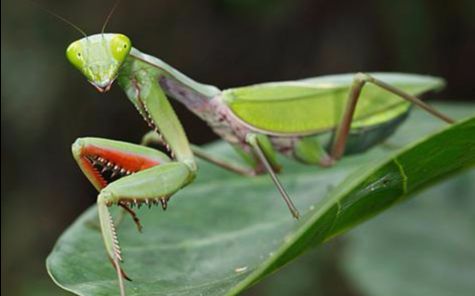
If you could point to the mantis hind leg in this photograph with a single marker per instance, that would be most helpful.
(359, 81)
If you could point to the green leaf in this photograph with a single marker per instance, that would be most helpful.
(225, 232)
(423, 247)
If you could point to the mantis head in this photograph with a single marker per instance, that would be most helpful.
(99, 57)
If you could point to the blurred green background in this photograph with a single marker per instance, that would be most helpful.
(46, 104)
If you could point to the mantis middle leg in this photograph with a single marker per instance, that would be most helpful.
(252, 166)
(263, 152)
(266, 154)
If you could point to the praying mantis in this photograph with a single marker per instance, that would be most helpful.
(315, 121)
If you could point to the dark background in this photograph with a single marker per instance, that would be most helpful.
(46, 104)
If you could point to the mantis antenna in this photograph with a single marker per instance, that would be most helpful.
(61, 18)
(111, 12)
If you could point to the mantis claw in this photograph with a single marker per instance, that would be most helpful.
(120, 270)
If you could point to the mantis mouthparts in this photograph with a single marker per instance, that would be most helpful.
(102, 88)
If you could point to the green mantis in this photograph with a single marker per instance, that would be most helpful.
(315, 121)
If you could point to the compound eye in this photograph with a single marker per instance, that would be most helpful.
(75, 55)
(120, 47)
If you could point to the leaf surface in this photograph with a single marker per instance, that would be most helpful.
(225, 232)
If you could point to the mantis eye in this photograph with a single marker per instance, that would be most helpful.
(75, 55)
(120, 47)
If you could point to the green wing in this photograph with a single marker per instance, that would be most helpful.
(314, 105)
